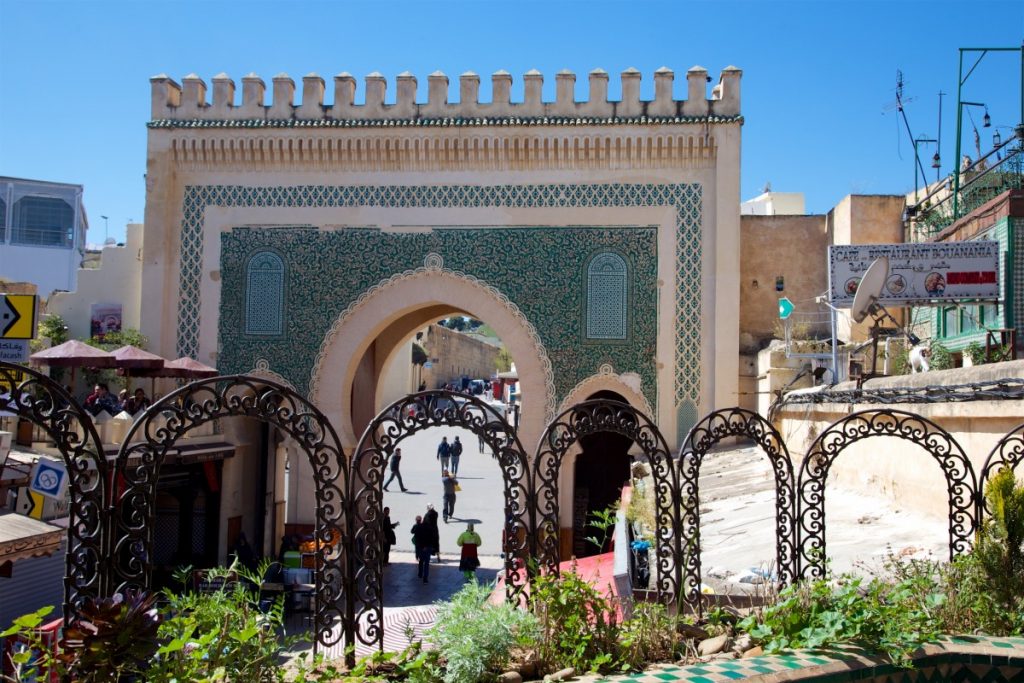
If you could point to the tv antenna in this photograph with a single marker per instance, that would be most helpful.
(865, 303)
(898, 106)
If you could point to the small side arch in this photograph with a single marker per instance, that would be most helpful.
(159, 428)
(715, 427)
(961, 483)
(594, 417)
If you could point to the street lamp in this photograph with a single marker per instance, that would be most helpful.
(106, 234)
(987, 120)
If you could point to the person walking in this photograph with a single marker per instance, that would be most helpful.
(394, 464)
(444, 453)
(389, 535)
(456, 451)
(421, 544)
(434, 534)
(469, 541)
(450, 485)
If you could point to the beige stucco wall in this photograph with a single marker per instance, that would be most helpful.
(793, 247)
(897, 469)
(865, 219)
(453, 354)
(116, 281)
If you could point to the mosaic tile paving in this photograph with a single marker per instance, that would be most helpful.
(962, 660)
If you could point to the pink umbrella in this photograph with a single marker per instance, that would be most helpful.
(74, 354)
(189, 369)
(133, 358)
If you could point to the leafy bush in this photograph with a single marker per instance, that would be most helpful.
(476, 637)
(651, 634)
(113, 639)
(222, 635)
(941, 358)
(579, 626)
(894, 618)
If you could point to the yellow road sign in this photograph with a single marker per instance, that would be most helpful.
(18, 316)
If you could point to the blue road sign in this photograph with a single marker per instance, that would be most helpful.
(786, 308)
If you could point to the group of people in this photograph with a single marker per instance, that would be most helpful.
(102, 400)
(426, 542)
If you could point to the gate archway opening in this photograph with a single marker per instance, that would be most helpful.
(957, 474)
(157, 432)
(33, 396)
(601, 466)
(713, 429)
(405, 418)
(607, 416)
(350, 374)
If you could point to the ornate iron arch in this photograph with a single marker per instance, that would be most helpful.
(403, 418)
(45, 403)
(158, 429)
(956, 468)
(1008, 452)
(593, 417)
(712, 429)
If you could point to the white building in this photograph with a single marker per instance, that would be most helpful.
(774, 204)
(42, 233)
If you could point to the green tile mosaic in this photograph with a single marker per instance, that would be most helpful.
(328, 270)
(684, 199)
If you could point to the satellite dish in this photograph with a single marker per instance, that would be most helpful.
(870, 288)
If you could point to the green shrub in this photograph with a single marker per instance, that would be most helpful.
(476, 637)
(941, 358)
(221, 635)
(579, 626)
(893, 618)
(651, 634)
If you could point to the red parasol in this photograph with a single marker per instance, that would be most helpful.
(74, 354)
(133, 358)
(189, 369)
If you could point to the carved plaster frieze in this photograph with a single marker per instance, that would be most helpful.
(263, 371)
(372, 150)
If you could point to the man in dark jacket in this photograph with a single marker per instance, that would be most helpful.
(456, 454)
(420, 542)
(395, 462)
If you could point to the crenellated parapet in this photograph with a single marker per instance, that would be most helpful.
(174, 104)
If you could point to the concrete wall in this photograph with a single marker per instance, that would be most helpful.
(118, 280)
(792, 247)
(865, 219)
(454, 355)
(897, 469)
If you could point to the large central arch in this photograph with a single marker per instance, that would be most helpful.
(393, 309)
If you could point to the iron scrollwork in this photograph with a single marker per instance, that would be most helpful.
(956, 469)
(719, 425)
(45, 403)
(593, 417)
(160, 427)
(401, 419)
(1007, 453)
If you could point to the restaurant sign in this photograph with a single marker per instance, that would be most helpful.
(920, 273)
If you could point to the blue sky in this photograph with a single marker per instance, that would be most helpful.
(817, 75)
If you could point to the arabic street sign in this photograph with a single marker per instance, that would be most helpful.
(18, 316)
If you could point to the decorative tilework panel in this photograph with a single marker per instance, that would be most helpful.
(685, 199)
(264, 294)
(606, 297)
(535, 267)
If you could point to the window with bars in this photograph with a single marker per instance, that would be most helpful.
(264, 294)
(607, 291)
(43, 221)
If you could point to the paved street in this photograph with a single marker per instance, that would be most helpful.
(480, 501)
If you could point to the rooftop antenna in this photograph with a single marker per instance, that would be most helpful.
(865, 303)
(898, 106)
